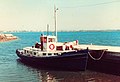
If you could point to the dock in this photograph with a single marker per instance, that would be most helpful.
(99, 47)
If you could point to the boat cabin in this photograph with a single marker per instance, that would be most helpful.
(48, 43)
(48, 46)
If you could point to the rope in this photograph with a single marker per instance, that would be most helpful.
(99, 57)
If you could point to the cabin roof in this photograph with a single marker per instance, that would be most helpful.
(49, 36)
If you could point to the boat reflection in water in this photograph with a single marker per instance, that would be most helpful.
(65, 76)
(56, 75)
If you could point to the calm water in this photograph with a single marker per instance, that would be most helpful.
(12, 70)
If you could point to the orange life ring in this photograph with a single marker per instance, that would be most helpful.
(51, 46)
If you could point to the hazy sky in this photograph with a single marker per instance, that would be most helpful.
(72, 14)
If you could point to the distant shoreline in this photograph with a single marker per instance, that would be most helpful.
(60, 31)
(7, 37)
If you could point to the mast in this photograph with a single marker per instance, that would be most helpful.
(55, 9)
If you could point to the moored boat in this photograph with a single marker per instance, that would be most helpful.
(107, 61)
(51, 53)
(103, 58)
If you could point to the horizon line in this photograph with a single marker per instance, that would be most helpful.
(60, 30)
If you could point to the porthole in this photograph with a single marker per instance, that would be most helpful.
(34, 53)
(55, 53)
(49, 54)
(44, 54)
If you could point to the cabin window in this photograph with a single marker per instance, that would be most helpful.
(45, 40)
(49, 54)
(55, 53)
(27, 51)
(50, 40)
(44, 54)
(34, 53)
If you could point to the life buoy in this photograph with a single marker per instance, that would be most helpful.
(51, 46)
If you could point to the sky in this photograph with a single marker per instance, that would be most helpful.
(71, 15)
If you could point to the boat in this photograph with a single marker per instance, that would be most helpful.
(54, 54)
(50, 53)
(103, 58)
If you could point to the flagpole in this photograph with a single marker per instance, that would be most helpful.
(55, 9)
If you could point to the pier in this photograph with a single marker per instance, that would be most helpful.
(99, 47)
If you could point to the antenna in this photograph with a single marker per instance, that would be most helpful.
(55, 9)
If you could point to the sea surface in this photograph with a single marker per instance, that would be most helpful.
(12, 70)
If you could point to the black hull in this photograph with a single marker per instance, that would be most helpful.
(109, 62)
(67, 61)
